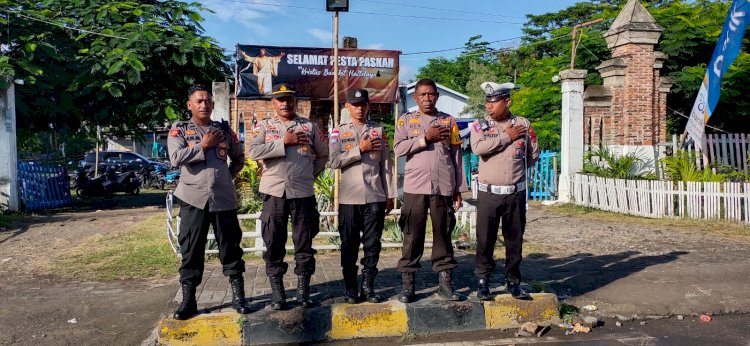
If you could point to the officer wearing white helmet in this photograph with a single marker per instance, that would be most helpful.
(506, 145)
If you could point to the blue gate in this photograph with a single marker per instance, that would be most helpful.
(543, 182)
(43, 187)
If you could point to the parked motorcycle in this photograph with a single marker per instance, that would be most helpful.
(172, 176)
(124, 181)
(150, 178)
(88, 186)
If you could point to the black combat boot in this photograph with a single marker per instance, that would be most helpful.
(517, 292)
(238, 294)
(303, 291)
(350, 286)
(483, 289)
(407, 295)
(189, 306)
(445, 288)
(278, 294)
(367, 289)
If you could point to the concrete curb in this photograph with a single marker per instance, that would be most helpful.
(364, 320)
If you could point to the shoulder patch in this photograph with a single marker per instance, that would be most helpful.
(401, 121)
(175, 132)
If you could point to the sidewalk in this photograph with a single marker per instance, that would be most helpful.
(333, 319)
(626, 267)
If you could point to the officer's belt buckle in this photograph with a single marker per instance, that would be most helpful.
(502, 189)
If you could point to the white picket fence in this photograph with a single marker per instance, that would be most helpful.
(658, 199)
(722, 148)
(466, 216)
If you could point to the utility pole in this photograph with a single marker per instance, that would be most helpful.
(573, 43)
(335, 6)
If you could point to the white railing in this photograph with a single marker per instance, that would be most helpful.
(658, 199)
(465, 216)
(721, 149)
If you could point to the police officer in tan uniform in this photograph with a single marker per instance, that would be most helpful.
(506, 145)
(434, 180)
(360, 149)
(201, 148)
(293, 153)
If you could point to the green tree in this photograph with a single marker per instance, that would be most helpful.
(478, 74)
(121, 64)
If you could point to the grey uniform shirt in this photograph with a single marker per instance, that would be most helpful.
(288, 171)
(431, 168)
(365, 177)
(501, 162)
(204, 174)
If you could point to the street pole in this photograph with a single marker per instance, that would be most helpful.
(573, 44)
(336, 173)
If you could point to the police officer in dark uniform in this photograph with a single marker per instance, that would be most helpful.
(360, 149)
(506, 145)
(201, 148)
(293, 154)
(433, 181)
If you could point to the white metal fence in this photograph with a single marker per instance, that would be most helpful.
(657, 199)
(466, 217)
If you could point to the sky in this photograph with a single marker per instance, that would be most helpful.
(409, 26)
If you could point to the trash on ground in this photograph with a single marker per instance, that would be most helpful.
(531, 328)
(565, 325)
(73, 320)
(680, 317)
(589, 307)
(578, 328)
(522, 333)
(706, 318)
(618, 323)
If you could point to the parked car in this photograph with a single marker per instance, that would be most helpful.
(130, 159)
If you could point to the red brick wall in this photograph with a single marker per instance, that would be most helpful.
(637, 115)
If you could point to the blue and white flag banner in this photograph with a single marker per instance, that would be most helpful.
(727, 49)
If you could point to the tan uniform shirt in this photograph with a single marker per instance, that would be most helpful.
(501, 162)
(365, 177)
(288, 171)
(204, 174)
(431, 168)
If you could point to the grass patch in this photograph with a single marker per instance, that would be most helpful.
(725, 228)
(567, 312)
(7, 219)
(538, 286)
(141, 252)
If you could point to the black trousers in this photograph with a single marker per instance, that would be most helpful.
(305, 226)
(413, 221)
(369, 220)
(491, 209)
(194, 224)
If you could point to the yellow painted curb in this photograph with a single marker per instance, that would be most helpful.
(507, 312)
(368, 320)
(204, 329)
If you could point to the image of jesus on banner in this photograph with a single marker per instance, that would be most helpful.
(264, 68)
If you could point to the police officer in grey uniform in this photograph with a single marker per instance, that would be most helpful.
(201, 148)
(506, 145)
(293, 153)
(434, 180)
(360, 149)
